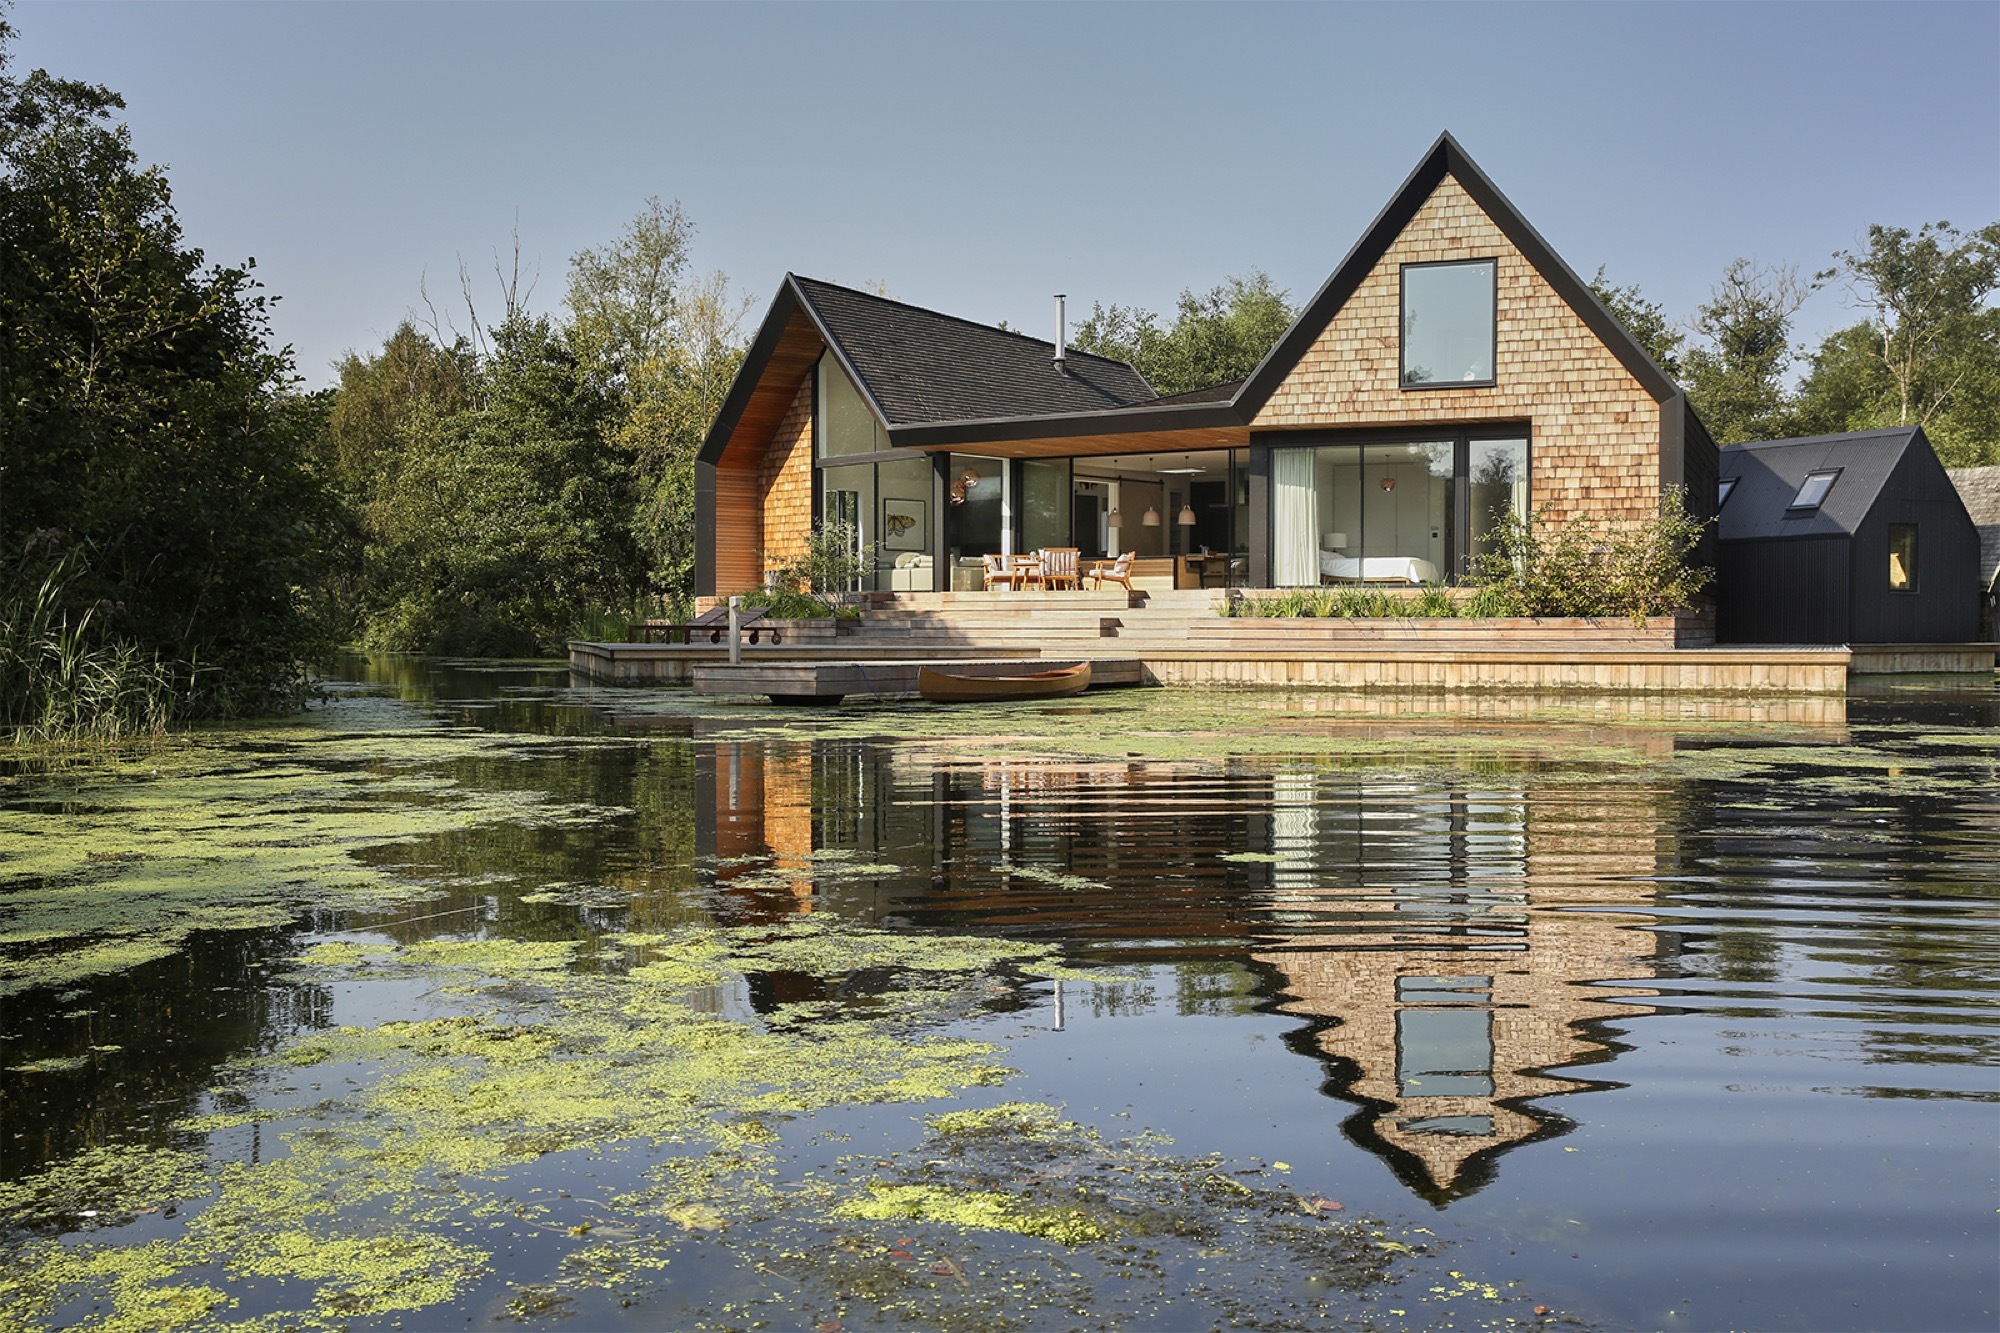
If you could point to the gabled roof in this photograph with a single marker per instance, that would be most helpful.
(1769, 474)
(941, 382)
(1979, 488)
(920, 366)
(1446, 158)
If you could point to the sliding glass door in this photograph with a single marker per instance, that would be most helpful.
(1406, 512)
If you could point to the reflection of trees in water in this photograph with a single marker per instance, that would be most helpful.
(151, 1040)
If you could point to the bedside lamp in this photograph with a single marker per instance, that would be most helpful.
(1333, 541)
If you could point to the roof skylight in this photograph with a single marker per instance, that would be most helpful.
(1813, 492)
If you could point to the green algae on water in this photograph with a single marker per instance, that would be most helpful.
(238, 829)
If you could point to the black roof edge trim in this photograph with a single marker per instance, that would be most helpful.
(762, 347)
(1445, 158)
(826, 334)
(1116, 421)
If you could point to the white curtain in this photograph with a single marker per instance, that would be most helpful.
(1294, 520)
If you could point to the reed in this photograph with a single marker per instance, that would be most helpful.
(61, 682)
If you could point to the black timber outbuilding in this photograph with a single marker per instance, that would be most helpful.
(1856, 538)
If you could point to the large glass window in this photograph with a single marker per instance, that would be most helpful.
(1389, 513)
(846, 426)
(847, 495)
(903, 555)
(1448, 324)
(1045, 503)
(1496, 491)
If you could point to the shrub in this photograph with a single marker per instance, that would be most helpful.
(1586, 568)
(833, 563)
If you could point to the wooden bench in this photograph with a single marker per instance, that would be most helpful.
(713, 623)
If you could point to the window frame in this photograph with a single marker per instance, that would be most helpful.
(1403, 381)
(1800, 505)
(1912, 568)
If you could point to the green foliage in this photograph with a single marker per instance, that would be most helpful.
(151, 449)
(1583, 567)
(1217, 336)
(1929, 352)
(59, 682)
(833, 562)
(1644, 320)
(1736, 377)
(669, 346)
(506, 519)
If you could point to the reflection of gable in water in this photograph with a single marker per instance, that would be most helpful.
(1451, 997)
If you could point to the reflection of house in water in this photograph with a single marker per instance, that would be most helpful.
(1453, 982)
(1450, 946)
(754, 820)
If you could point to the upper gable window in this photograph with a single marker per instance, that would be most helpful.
(1448, 324)
(1722, 490)
(846, 426)
(1812, 493)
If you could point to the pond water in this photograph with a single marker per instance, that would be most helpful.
(476, 996)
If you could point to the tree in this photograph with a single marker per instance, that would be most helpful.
(1644, 320)
(1736, 377)
(150, 440)
(670, 346)
(1929, 330)
(509, 518)
(1217, 336)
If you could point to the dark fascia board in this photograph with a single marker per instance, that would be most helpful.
(1111, 421)
(1446, 158)
(839, 351)
(790, 299)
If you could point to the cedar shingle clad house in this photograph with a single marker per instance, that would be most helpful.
(1857, 538)
(1979, 488)
(1451, 368)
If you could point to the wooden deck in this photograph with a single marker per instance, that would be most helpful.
(1177, 638)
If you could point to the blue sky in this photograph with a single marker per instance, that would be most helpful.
(978, 157)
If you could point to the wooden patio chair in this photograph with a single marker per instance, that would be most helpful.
(1059, 567)
(1117, 571)
(1000, 571)
(1028, 571)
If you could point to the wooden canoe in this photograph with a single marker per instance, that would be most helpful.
(945, 688)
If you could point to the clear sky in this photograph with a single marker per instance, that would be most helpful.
(978, 157)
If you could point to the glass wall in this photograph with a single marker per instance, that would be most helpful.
(846, 426)
(847, 495)
(1388, 513)
(1497, 489)
(1045, 503)
(903, 555)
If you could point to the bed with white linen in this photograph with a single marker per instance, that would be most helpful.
(1376, 569)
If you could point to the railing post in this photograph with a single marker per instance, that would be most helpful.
(736, 631)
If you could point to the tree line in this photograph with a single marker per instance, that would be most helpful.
(184, 529)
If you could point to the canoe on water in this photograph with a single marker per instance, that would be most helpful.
(944, 688)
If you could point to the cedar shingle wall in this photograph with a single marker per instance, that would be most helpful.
(1595, 430)
(786, 481)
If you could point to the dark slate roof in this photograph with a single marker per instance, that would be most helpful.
(1769, 475)
(1212, 393)
(921, 366)
(1979, 487)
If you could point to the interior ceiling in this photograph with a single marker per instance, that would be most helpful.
(1214, 465)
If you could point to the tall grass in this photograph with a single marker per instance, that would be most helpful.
(60, 682)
